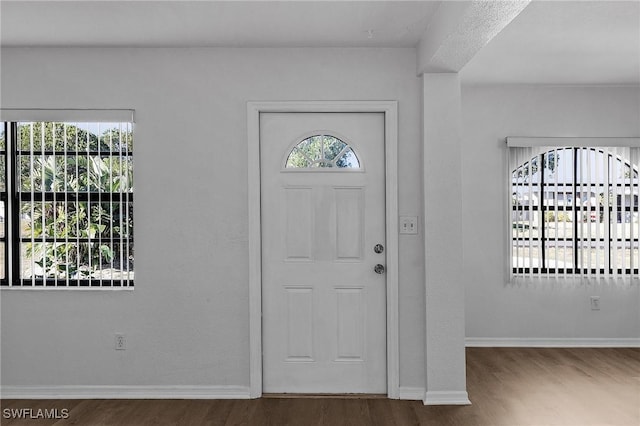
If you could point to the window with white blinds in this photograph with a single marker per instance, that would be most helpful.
(573, 207)
(67, 193)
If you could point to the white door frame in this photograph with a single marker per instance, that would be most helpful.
(390, 110)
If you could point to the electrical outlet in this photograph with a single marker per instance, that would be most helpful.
(408, 224)
(121, 342)
(595, 303)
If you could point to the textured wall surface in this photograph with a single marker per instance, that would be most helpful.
(186, 322)
(554, 310)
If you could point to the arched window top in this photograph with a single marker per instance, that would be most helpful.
(322, 151)
(563, 165)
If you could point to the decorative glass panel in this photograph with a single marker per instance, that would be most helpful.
(322, 151)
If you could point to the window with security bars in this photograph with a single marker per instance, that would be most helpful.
(574, 211)
(3, 204)
(68, 198)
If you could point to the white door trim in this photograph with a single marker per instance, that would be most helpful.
(390, 110)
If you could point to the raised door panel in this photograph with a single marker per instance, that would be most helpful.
(351, 322)
(298, 223)
(349, 211)
(300, 331)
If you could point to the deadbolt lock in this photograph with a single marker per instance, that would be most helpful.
(379, 269)
(378, 248)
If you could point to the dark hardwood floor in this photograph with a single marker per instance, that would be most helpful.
(507, 386)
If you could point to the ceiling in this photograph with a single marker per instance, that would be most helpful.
(215, 23)
(551, 42)
(564, 42)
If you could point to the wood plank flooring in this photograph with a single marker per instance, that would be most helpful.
(507, 386)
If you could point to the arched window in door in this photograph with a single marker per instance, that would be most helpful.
(322, 151)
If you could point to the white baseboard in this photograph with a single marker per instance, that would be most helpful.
(446, 398)
(479, 342)
(124, 392)
(411, 394)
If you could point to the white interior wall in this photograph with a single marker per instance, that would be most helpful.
(186, 322)
(495, 309)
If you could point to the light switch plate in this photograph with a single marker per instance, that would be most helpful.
(408, 224)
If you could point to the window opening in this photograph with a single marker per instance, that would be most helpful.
(71, 204)
(575, 211)
(322, 151)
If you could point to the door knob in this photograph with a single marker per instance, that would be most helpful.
(378, 248)
(379, 269)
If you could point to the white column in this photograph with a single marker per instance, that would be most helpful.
(445, 333)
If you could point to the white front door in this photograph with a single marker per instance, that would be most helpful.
(322, 213)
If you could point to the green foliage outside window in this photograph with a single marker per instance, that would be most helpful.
(322, 151)
(67, 160)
